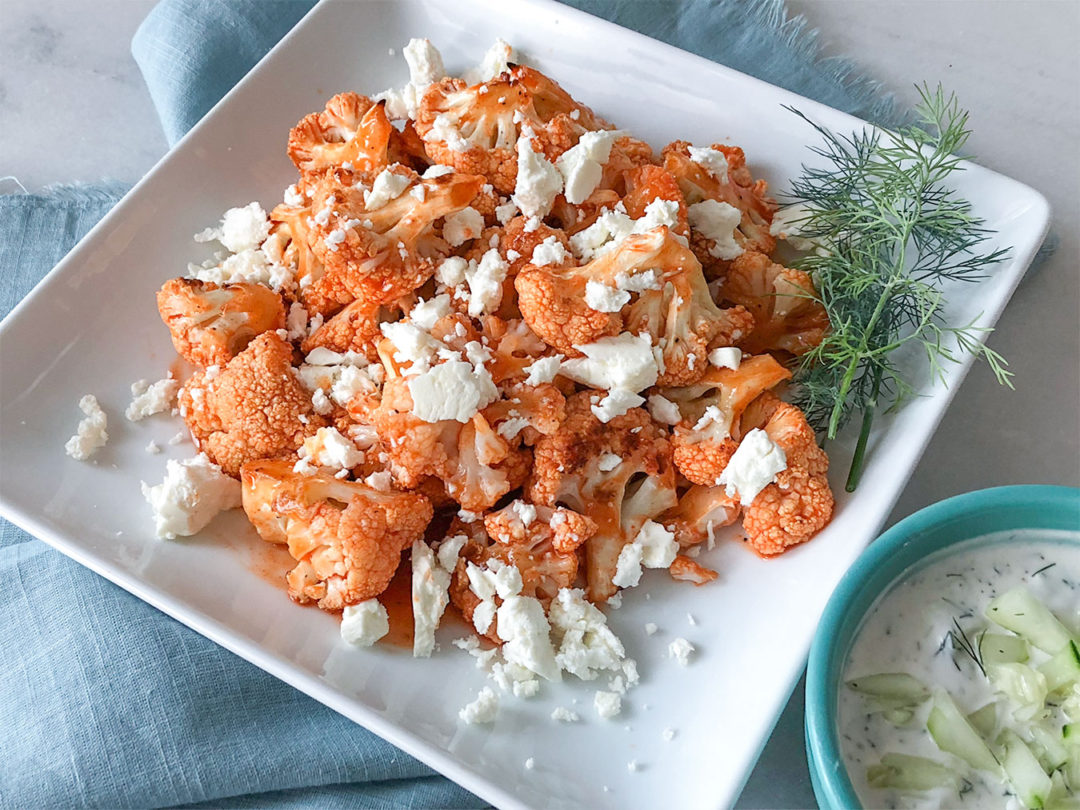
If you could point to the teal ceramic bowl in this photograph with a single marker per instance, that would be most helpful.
(936, 527)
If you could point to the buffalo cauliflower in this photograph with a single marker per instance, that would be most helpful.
(345, 536)
(253, 408)
(211, 324)
(787, 315)
(573, 468)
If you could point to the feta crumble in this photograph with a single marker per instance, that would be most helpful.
(495, 63)
(328, 448)
(608, 462)
(582, 165)
(387, 186)
(563, 715)
(192, 494)
(526, 635)
(462, 226)
(717, 221)
(607, 704)
(650, 628)
(483, 709)
(543, 370)
(603, 298)
(654, 547)
(585, 644)
(726, 357)
(364, 624)
(550, 251)
(680, 650)
(712, 160)
(538, 181)
(430, 582)
(454, 390)
(663, 410)
(90, 436)
(425, 314)
(753, 466)
(241, 229)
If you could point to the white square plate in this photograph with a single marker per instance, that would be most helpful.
(92, 326)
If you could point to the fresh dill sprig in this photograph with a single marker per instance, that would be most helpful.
(959, 640)
(888, 232)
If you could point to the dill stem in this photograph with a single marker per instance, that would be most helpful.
(855, 471)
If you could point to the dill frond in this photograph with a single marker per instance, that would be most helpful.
(889, 233)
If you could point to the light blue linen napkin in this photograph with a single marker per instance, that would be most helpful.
(104, 701)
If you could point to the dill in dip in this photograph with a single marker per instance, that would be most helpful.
(963, 682)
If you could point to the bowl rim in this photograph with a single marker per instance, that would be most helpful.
(832, 786)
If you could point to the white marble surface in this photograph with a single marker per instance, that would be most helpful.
(74, 108)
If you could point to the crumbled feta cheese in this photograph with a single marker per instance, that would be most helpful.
(153, 448)
(717, 221)
(193, 492)
(650, 628)
(296, 322)
(462, 226)
(443, 129)
(504, 580)
(425, 314)
(614, 226)
(642, 281)
(663, 410)
(483, 709)
(292, 196)
(585, 644)
(240, 229)
(690, 620)
(714, 416)
(344, 375)
(550, 251)
(712, 160)
(526, 512)
(387, 186)
(511, 427)
(608, 462)
(726, 357)
(602, 298)
(454, 390)
(451, 271)
(90, 436)
(668, 734)
(633, 766)
(680, 650)
(526, 633)
(449, 550)
(563, 715)
(329, 448)
(430, 582)
(537, 180)
(179, 438)
(543, 370)
(251, 266)
(616, 403)
(321, 403)
(412, 345)
(753, 466)
(436, 170)
(615, 601)
(486, 283)
(425, 62)
(582, 165)
(379, 481)
(148, 399)
(608, 704)
(530, 763)
(495, 62)
(654, 547)
(505, 212)
(364, 624)
(624, 362)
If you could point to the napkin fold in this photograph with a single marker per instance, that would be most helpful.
(106, 702)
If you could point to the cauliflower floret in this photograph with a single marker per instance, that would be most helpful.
(708, 433)
(356, 328)
(254, 408)
(681, 316)
(352, 132)
(800, 503)
(720, 174)
(379, 253)
(700, 511)
(514, 348)
(346, 537)
(685, 569)
(787, 315)
(475, 128)
(567, 471)
(476, 464)
(210, 325)
(646, 184)
(527, 412)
